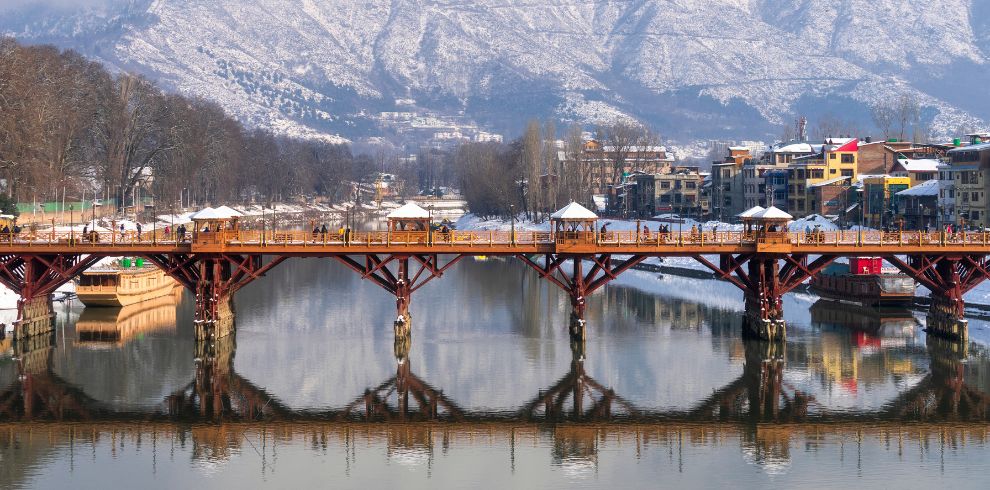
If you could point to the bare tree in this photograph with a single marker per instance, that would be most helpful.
(908, 114)
(883, 117)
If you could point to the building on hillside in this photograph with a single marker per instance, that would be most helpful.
(919, 171)
(830, 198)
(971, 171)
(756, 148)
(784, 153)
(880, 157)
(601, 161)
(946, 195)
(879, 202)
(728, 187)
(837, 159)
(763, 183)
(678, 191)
(776, 185)
(918, 206)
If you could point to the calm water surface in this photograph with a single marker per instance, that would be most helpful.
(313, 390)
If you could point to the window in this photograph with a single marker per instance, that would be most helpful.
(831, 156)
(817, 173)
(848, 158)
(691, 185)
(831, 171)
(665, 184)
(847, 172)
(726, 174)
(975, 196)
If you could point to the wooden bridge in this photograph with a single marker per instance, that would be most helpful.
(764, 265)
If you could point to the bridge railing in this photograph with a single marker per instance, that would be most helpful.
(253, 238)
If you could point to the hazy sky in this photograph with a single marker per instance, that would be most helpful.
(10, 4)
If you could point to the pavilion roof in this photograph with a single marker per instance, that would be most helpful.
(750, 212)
(574, 211)
(773, 212)
(410, 211)
(213, 213)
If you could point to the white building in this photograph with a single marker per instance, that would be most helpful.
(946, 195)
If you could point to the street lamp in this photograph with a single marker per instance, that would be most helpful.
(512, 236)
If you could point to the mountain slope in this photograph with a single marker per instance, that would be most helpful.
(690, 67)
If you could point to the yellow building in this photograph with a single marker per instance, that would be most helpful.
(837, 160)
(880, 207)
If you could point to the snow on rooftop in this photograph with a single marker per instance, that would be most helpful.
(923, 165)
(231, 211)
(798, 148)
(214, 213)
(927, 188)
(773, 212)
(574, 211)
(410, 211)
(750, 212)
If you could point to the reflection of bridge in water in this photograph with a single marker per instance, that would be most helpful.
(759, 394)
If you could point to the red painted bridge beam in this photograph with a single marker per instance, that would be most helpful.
(764, 282)
(578, 284)
(411, 272)
(948, 277)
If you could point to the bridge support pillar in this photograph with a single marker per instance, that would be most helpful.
(394, 274)
(947, 311)
(403, 299)
(948, 277)
(579, 285)
(214, 306)
(764, 317)
(764, 281)
(35, 277)
(214, 278)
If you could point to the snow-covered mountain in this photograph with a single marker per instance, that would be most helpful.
(688, 67)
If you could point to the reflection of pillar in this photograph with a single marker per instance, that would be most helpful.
(946, 314)
(764, 307)
(948, 378)
(763, 374)
(213, 372)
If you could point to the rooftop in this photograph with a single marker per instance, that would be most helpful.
(574, 211)
(927, 188)
(410, 211)
(924, 165)
(773, 212)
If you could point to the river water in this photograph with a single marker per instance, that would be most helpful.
(313, 390)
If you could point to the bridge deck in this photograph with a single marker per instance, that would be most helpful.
(301, 243)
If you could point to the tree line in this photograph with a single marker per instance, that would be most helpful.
(67, 125)
(539, 173)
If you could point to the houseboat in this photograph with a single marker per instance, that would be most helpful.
(863, 281)
(123, 282)
(117, 326)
